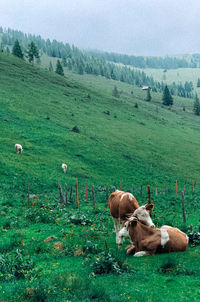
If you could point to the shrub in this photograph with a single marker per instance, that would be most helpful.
(106, 263)
(171, 266)
(194, 238)
(76, 129)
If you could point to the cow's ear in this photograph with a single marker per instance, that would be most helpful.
(149, 206)
(134, 221)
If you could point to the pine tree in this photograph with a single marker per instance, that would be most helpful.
(196, 107)
(32, 52)
(115, 92)
(59, 68)
(148, 99)
(16, 51)
(167, 98)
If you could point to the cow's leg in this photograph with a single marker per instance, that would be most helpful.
(142, 253)
(130, 250)
(117, 228)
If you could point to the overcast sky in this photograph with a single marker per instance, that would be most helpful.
(140, 27)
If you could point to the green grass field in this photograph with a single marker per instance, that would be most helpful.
(117, 142)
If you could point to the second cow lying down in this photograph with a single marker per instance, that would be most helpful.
(149, 241)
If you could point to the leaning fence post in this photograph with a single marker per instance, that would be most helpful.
(60, 192)
(192, 187)
(184, 189)
(77, 201)
(65, 195)
(93, 196)
(183, 208)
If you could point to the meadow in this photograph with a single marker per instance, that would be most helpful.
(104, 141)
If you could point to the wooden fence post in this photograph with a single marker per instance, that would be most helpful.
(28, 191)
(65, 195)
(60, 192)
(183, 208)
(184, 189)
(93, 196)
(156, 191)
(70, 195)
(192, 187)
(107, 192)
(77, 201)
(141, 190)
(120, 185)
(132, 188)
(149, 194)
(86, 199)
(165, 189)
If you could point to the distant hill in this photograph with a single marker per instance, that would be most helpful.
(118, 67)
(116, 140)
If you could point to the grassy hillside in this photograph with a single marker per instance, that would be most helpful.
(118, 141)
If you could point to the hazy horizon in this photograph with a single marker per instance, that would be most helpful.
(145, 28)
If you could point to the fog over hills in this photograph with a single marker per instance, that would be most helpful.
(145, 27)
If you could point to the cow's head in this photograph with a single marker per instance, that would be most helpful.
(124, 233)
(143, 214)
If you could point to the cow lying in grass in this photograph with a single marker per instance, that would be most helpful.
(122, 205)
(149, 241)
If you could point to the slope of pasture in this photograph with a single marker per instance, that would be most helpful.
(117, 141)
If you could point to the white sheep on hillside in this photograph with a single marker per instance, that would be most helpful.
(64, 167)
(18, 148)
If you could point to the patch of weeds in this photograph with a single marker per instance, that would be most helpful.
(194, 238)
(15, 266)
(91, 248)
(106, 263)
(171, 266)
(39, 215)
(80, 219)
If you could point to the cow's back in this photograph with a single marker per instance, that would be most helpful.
(122, 205)
(178, 241)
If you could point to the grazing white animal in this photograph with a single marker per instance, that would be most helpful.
(18, 148)
(64, 167)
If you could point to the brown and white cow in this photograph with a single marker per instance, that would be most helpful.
(149, 241)
(122, 205)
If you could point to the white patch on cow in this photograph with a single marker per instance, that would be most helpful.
(130, 196)
(187, 238)
(123, 233)
(139, 254)
(123, 196)
(164, 237)
(166, 226)
(117, 228)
